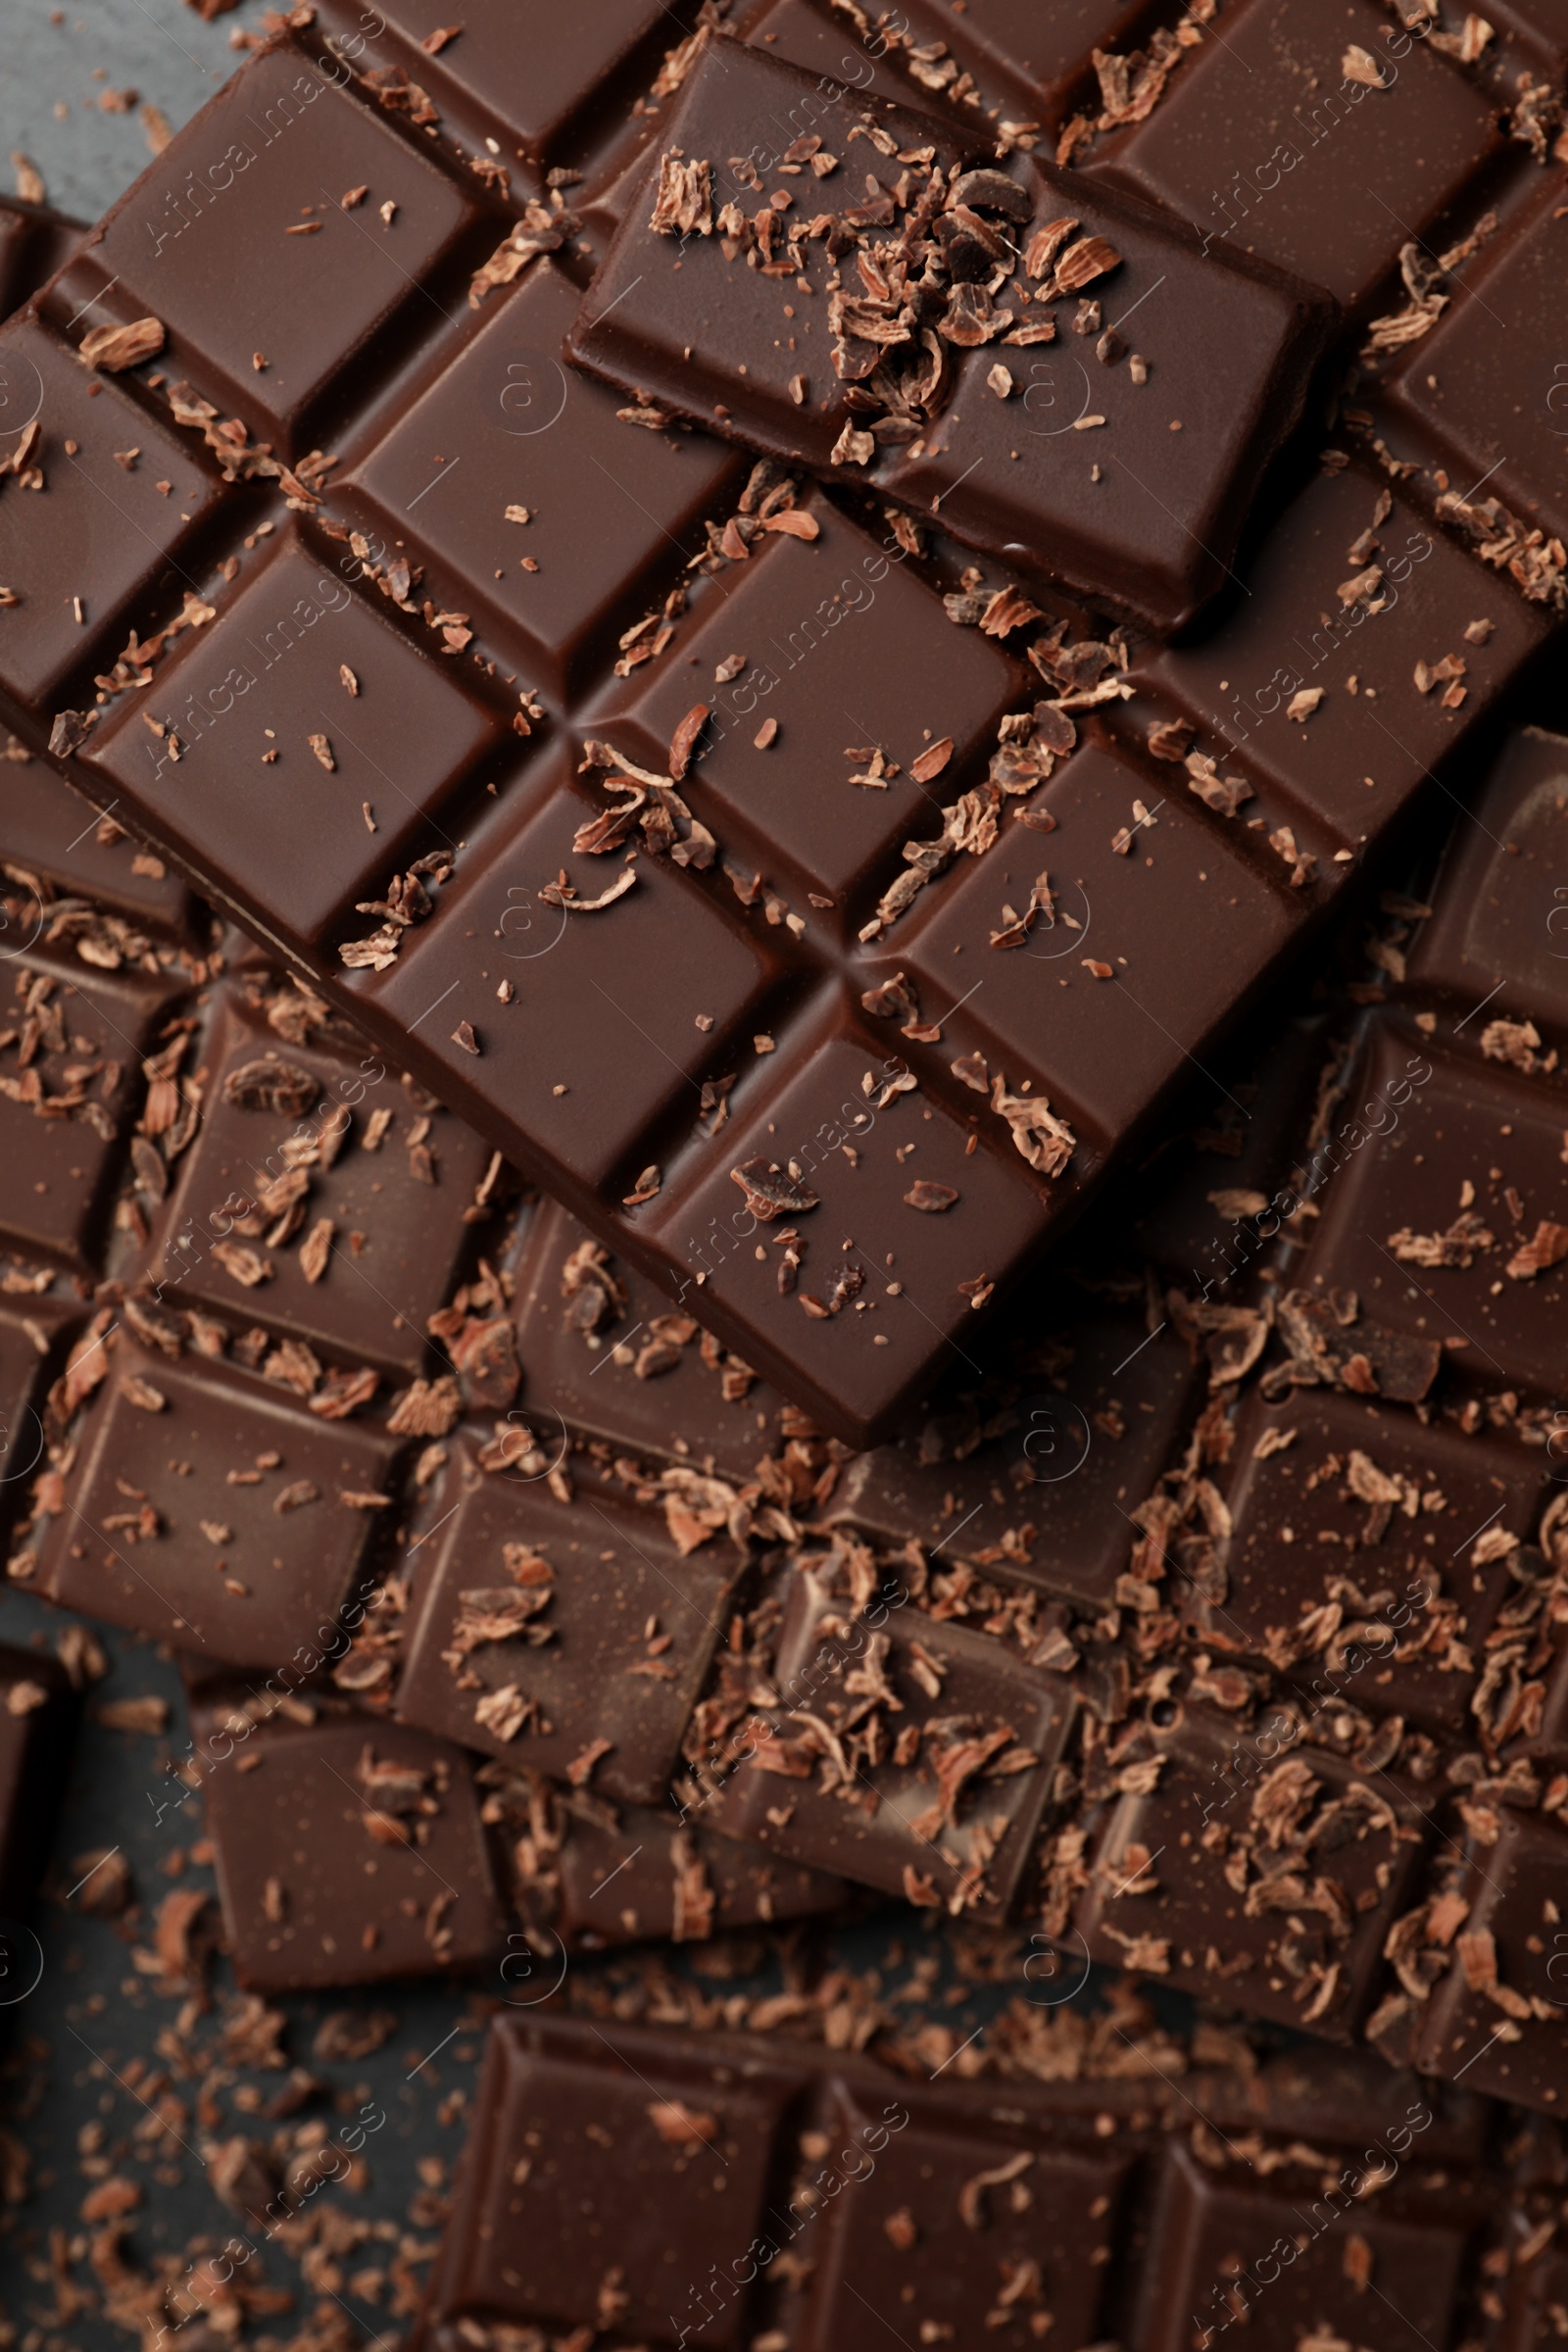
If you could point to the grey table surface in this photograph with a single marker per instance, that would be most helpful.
(69, 2047)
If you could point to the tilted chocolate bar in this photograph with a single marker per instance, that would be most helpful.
(308, 627)
(901, 333)
(290, 1196)
(1376, 1586)
(658, 2188)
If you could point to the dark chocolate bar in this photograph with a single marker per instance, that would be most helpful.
(440, 751)
(942, 358)
(286, 1221)
(638, 2186)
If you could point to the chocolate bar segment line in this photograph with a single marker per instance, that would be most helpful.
(946, 2211)
(420, 724)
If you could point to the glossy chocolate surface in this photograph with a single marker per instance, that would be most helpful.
(300, 675)
(854, 2194)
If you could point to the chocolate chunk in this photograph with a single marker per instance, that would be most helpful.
(909, 1754)
(544, 1634)
(1278, 1880)
(1361, 756)
(1297, 124)
(347, 1850)
(70, 1047)
(280, 1212)
(900, 345)
(212, 1507)
(585, 1326)
(1373, 1549)
(609, 523)
(1441, 1187)
(243, 691)
(287, 135)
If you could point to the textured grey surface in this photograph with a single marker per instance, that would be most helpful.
(56, 63)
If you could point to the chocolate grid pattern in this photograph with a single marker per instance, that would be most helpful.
(1457, 2035)
(1164, 2241)
(452, 216)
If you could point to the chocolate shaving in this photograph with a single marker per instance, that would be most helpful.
(771, 1192)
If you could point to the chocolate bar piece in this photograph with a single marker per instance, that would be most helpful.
(602, 1352)
(207, 1505)
(573, 1639)
(1388, 1546)
(1455, 394)
(1360, 648)
(682, 715)
(1002, 63)
(319, 1199)
(668, 2187)
(71, 1055)
(1041, 1486)
(56, 849)
(950, 371)
(347, 1850)
(908, 1753)
(1259, 135)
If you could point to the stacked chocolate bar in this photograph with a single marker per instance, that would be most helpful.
(1075, 1450)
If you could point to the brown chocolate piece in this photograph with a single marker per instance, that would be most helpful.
(688, 287)
(1457, 393)
(847, 655)
(72, 1042)
(1308, 681)
(1442, 1222)
(282, 146)
(604, 1357)
(1262, 136)
(1085, 1010)
(1045, 1497)
(347, 1850)
(1267, 1883)
(1371, 1552)
(906, 1752)
(233, 769)
(208, 1507)
(958, 2213)
(318, 1199)
(571, 1642)
(1497, 939)
(533, 498)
